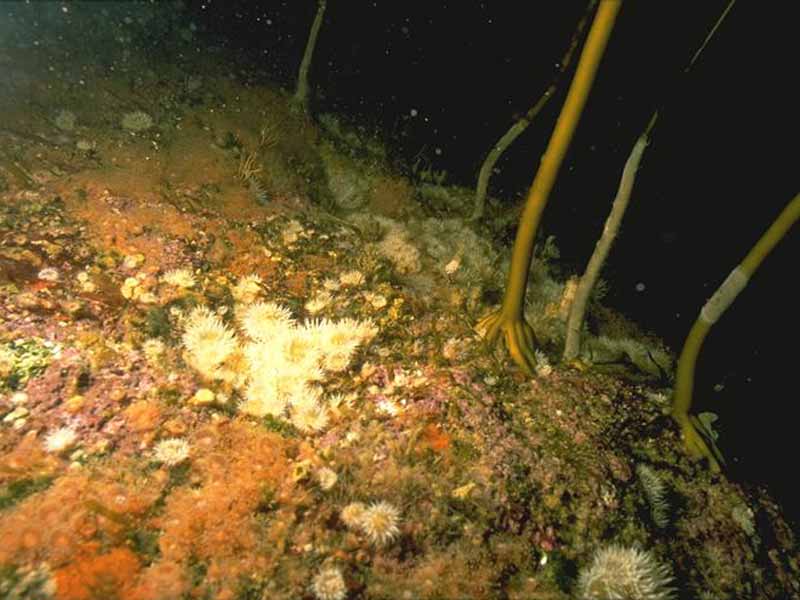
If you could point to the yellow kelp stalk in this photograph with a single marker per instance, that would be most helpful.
(523, 122)
(590, 277)
(301, 93)
(697, 444)
(510, 319)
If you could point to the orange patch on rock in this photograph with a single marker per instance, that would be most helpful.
(435, 439)
(163, 579)
(27, 459)
(295, 284)
(96, 577)
(217, 523)
(43, 525)
(142, 416)
(248, 255)
(248, 263)
(118, 219)
(30, 539)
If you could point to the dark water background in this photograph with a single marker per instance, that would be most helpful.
(443, 80)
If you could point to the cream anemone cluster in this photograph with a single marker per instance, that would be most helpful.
(378, 521)
(276, 364)
(211, 346)
(624, 572)
(60, 440)
(329, 584)
(171, 452)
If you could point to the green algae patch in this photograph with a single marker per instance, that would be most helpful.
(22, 360)
(16, 491)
